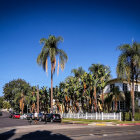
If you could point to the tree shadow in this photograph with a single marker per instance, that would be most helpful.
(43, 135)
(7, 135)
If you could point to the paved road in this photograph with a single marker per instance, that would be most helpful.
(5, 121)
(67, 132)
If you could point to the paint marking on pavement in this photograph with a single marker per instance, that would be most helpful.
(101, 124)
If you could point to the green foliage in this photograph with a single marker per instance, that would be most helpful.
(129, 62)
(128, 116)
(50, 50)
(78, 72)
(1, 102)
(13, 91)
(44, 99)
(6, 105)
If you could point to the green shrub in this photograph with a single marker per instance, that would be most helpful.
(128, 116)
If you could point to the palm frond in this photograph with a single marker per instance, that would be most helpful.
(58, 68)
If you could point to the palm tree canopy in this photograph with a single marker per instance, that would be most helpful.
(101, 73)
(78, 72)
(50, 50)
(99, 69)
(128, 66)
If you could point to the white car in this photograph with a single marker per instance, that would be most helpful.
(24, 116)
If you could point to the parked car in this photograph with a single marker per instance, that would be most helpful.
(24, 116)
(41, 117)
(11, 115)
(53, 118)
(30, 116)
(16, 116)
(0, 113)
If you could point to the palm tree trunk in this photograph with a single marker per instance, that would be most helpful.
(51, 88)
(102, 101)
(37, 100)
(95, 99)
(133, 101)
(22, 107)
(115, 105)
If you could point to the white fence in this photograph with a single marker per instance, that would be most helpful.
(93, 116)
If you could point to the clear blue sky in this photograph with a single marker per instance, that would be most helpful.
(92, 29)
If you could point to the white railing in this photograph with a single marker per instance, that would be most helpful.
(93, 116)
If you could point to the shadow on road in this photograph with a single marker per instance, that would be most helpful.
(7, 135)
(37, 135)
(43, 135)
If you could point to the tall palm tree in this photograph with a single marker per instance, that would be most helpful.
(104, 78)
(128, 67)
(96, 71)
(50, 50)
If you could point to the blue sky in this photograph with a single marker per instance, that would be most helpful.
(92, 29)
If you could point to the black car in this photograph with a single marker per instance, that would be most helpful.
(53, 117)
(0, 113)
(30, 116)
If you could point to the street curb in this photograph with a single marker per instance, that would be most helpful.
(131, 124)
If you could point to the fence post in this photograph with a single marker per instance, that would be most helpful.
(102, 116)
(78, 115)
(114, 115)
(120, 116)
(86, 115)
(96, 115)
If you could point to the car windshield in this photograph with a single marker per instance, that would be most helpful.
(57, 115)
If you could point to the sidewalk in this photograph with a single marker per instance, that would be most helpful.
(129, 124)
(104, 123)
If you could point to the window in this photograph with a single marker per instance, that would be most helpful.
(136, 87)
(124, 87)
(112, 87)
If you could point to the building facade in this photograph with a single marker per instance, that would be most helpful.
(123, 87)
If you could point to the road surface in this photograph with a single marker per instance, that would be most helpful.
(20, 130)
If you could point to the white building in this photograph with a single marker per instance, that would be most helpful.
(123, 86)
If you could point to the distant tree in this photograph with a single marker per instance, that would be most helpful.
(15, 92)
(50, 50)
(44, 99)
(128, 67)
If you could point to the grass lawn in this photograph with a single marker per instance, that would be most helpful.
(84, 121)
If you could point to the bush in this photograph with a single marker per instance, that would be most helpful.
(128, 116)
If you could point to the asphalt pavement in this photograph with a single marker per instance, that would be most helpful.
(12, 129)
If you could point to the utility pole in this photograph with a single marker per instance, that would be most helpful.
(37, 99)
